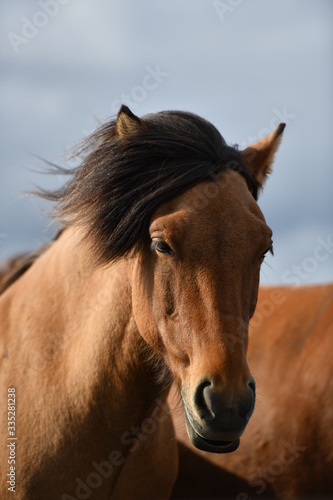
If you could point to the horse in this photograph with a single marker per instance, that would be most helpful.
(287, 449)
(154, 273)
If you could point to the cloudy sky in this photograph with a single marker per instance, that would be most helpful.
(244, 65)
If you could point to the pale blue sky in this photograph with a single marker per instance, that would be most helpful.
(243, 67)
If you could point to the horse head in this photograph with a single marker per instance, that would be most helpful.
(195, 289)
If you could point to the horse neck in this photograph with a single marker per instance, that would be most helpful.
(70, 347)
(83, 331)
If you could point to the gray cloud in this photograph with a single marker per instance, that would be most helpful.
(263, 56)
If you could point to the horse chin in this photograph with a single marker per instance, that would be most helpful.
(213, 446)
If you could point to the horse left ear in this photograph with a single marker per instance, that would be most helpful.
(258, 158)
(128, 123)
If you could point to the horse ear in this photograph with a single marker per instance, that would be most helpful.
(258, 158)
(128, 123)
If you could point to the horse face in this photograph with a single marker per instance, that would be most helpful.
(195, 291)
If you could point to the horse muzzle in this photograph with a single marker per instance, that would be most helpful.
(211, 424)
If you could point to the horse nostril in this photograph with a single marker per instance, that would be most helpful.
(211, 404)
(202, 400)
(252, 386)
(246, 406)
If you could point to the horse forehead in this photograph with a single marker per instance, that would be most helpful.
(225, 202)
(209, 209)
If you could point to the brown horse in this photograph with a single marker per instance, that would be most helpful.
(287, 447)
(155, 273)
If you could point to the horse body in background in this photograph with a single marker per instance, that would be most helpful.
(287, 448)
(154, 274)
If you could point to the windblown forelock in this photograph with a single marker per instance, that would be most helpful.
(123, 180)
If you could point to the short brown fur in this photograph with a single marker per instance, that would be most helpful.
(84, 345)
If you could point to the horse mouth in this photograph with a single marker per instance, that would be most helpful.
(213, 446)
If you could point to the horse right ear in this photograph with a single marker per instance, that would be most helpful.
(258, 158)
(128, 123)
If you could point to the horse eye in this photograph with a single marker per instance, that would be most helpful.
(161, 246)
(270, 249)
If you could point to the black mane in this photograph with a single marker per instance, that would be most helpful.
(122, 180)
